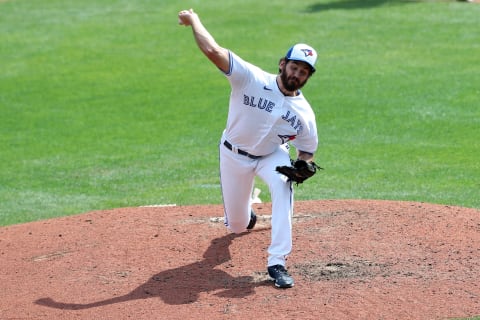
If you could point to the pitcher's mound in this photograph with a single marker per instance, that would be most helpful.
(352, 260)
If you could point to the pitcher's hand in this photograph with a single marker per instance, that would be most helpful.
(185, 17)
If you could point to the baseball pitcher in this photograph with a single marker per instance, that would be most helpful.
(267, 113)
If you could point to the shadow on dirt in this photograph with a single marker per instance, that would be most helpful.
(183, 285)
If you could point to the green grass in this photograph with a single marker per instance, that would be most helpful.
(110, 104)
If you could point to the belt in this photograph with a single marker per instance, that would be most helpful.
(239, 151)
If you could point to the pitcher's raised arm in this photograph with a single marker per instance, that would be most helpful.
(207, 44)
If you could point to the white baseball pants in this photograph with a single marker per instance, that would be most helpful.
(237, 177)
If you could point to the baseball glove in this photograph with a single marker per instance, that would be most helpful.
(299, 170)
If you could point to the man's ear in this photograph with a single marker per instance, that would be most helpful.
(281, 64)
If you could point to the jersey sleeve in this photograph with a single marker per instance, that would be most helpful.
(240, 72)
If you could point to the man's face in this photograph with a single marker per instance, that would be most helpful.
(294, 74)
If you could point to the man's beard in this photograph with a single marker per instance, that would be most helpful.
(291, 84)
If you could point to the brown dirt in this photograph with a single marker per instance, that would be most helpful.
(352, 260)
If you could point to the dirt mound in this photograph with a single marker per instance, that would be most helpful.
(352, 260)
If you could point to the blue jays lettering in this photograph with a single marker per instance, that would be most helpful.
(261, 103)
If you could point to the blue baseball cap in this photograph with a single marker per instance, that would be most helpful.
(302, 52)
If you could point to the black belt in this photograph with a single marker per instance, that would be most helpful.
(239, 151)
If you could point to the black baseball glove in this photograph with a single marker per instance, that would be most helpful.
(299, 170)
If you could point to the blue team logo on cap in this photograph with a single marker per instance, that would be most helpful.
(307, 52)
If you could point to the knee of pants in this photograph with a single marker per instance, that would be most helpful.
(237, 225)
(236, 229)
(280, 187)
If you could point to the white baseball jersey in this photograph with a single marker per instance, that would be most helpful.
(261, 117)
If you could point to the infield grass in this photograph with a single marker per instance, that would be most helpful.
(110, 104)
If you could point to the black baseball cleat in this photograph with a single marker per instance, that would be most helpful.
(253, 220)
(280, 276)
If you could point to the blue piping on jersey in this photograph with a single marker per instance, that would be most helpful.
(230, 64)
